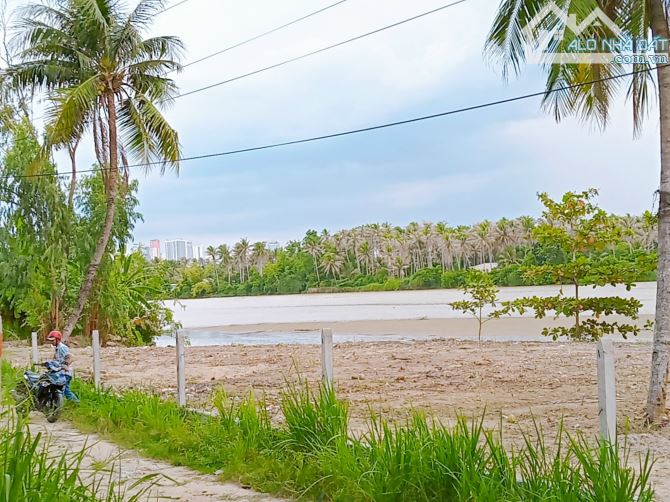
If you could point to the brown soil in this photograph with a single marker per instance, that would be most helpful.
(516, 382)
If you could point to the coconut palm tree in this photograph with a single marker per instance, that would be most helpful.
(213, 255)
(90, 59)
(241, 256)
(365, 257)
(313, 245)
(332, 262)
(259, 256)
(225, 258)
(513, 32)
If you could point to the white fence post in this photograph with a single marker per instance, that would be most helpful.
(95, 342)
(327, 355)
(181, 374)
(606, 391)
(35, 354)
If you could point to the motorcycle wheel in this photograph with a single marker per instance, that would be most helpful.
(53, 408)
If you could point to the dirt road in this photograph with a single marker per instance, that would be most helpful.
(127, 466)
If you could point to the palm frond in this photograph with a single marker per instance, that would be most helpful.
(99, 12)
(145, 12)
(72, 108)
(153, 67)
(163, 47)
(148, 134)
(507, 42)
(43, 74)
(160, 90)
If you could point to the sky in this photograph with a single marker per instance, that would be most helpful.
(461, 169)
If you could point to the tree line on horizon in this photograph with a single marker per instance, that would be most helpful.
(386, 257)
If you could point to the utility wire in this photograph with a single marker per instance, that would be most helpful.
(456, 111)
(318, 51)
(158, 13)
(173, 6)
(261, 35)
(248, 40)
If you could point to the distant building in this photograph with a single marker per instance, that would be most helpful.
(178, 249)
(198, 253)
(154, 249)
(272, 245)
(141, 248)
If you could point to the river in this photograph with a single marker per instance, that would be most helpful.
(211, 321)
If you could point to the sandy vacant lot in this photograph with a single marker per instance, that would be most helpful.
(512, 380)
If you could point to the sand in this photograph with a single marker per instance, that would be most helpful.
(515, 329)
(511, 382)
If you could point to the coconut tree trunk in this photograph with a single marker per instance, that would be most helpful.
(656, 400)
(112, 188)
(72, 151)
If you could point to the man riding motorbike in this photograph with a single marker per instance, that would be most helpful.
(63, 356)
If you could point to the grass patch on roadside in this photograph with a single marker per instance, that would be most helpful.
(29, 472)
(312, 455)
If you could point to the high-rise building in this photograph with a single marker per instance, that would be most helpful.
(272, 245)
(178, 249)
(198, 253)
(141, 248)
(154, 249)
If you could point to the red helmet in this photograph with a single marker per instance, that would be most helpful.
(55, 336)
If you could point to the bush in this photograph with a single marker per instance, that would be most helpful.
(511, 275)
(426, 278)
(454, 279)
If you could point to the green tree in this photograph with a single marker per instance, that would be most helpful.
(483, 299)
(213, 255)
(34, 234)
(639, 19)
(582, 231)
(127, 302)
(313, 246)
(97, 71)
(226, 258)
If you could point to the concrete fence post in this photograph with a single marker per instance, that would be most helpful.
(327, 356)
(181, 373)
(606, 391)
(95, 342)
(35, 353)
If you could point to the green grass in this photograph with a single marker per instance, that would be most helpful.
(311, 455)
(30, 473)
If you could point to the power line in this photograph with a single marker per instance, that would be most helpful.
(261, 35)
(255, 37)
(323, 49)
(456, 111)
(173, 6)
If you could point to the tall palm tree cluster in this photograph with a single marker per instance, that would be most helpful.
(100, 77)
(240, 259)
(403, 251)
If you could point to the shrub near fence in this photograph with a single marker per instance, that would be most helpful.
(312, 454)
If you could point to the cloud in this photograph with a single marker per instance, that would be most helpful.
(426, 192)
(573, 156)
(462, 168)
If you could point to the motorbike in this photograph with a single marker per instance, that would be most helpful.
(43, 392)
